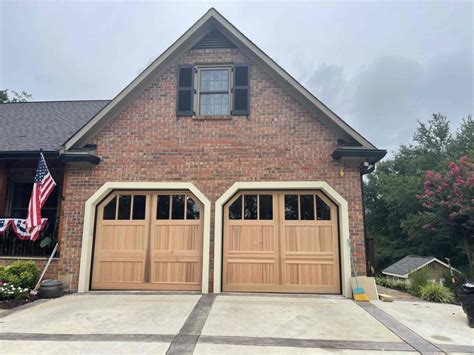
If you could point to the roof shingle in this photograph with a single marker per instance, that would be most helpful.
(407, 264)
(31, 126)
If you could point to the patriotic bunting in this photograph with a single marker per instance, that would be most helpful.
(19, 227)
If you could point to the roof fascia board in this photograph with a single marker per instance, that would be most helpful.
(395, 275)
(182, 44)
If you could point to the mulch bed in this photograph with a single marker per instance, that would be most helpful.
(9, 304)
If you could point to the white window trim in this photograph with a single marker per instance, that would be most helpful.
(197, 85)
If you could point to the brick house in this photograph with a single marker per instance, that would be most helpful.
(214, 170)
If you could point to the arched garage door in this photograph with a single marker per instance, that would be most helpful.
(148, 241)
(281, 242)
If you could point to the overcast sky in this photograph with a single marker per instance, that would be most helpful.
(380, 65)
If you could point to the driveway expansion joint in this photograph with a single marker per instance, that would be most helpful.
(185, 341)
(403, 332)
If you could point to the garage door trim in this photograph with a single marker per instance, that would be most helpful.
(105, 190)
(343, 219)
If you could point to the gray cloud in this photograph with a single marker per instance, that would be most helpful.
(380, 65)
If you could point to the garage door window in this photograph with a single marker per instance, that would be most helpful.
(126, 207)
(254, 207)
(302, 207)
(177, 207)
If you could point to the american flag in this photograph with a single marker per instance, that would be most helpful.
(42, 187)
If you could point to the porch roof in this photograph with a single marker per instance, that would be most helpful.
(31, 126)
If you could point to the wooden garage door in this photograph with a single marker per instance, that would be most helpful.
(281, 242)
(148, 241)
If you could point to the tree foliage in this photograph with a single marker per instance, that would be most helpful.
(448, 201)
(15, 96)
(395, 216)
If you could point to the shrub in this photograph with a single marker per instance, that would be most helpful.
(392, 283)
(20, 274)
(436, 293)
(10, 291)
(418, 280)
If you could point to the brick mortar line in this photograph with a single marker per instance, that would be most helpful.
(410, 337)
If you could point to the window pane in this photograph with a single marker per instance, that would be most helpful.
(178, 207)
(125, 203)
(214, 80)
(291, 207)
(139, 203)
(323, 211)
(192, 208)
(52, 201)
(250, 206)
(235, 210)
(307, 207)
(163, 207)
(109, 209)
(266, 206)
(214, 104)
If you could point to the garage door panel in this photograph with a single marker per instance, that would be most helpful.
(251, 273)
(176, 272)
(308, 239)
(123, 237)
(120, 271)
(152, 249)
(295, 251)
(309, 274)
(251, 238)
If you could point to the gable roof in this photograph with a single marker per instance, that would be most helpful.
(212, 20)
(31, 126)
(409, 264)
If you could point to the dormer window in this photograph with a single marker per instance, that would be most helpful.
(214, 91)
(218, 90)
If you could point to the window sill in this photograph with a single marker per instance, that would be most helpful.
(26, 258)
(212, 118)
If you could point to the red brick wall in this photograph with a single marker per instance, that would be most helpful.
(279, 141)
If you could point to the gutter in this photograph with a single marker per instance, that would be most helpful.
(370, 155)
(65, 157)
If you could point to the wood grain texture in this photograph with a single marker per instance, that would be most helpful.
(281, 255)
(147, 254)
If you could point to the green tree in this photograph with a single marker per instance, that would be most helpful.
(5, 97)
(393, 212)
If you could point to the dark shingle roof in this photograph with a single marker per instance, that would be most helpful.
(31, 126)
(407, 264)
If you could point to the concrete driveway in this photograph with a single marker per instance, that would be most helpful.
(124, 323)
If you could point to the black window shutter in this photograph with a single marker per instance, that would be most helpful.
(241, 90)
(185, 92)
